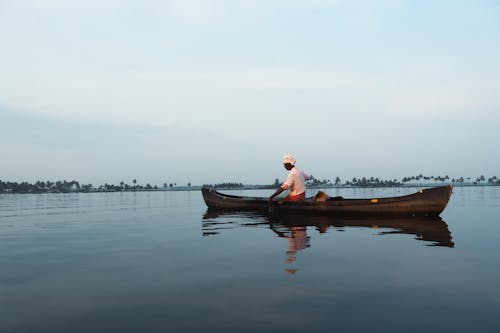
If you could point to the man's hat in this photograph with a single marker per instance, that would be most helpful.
(289, 159)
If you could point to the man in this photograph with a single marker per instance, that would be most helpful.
(295, 182)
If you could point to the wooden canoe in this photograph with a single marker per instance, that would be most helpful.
(425, 202)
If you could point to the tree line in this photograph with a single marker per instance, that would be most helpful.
(225, 185)
(69, 186)
(376, 182)
(75, 186)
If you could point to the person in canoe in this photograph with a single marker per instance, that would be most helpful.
(295, 182)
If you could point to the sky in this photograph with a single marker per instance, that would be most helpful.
(209, 91)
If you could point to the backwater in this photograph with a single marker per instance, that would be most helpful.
(161, 262)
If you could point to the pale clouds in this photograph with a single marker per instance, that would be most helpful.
(192, 98)
(198, 11)
(353, 84)
(444, 101)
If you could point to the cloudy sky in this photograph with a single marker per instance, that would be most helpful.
(206, 91)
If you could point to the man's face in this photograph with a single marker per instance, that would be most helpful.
(288, 166)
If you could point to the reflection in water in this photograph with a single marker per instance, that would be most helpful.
(430, 229)
(294, 227)
(215, 221)
(297, 240)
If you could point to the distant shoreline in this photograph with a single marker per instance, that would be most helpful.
(74, 186)
(247, 187)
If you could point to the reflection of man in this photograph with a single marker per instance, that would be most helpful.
(295, 182)
(298, 240)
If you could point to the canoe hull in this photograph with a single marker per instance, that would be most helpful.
(426, 202)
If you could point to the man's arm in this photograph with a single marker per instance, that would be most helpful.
(285, 186)
(278, 191)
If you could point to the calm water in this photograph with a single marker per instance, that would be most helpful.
(160, 262)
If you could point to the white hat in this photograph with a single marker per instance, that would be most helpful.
(289, 159)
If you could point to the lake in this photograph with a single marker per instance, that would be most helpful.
(160, 262)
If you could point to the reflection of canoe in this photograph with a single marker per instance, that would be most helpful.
(431, 229)
(215, 221)
(426, 202)
(426, 228)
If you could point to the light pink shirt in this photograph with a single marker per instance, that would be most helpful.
(295, 182)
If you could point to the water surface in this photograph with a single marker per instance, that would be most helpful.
(160, 261)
